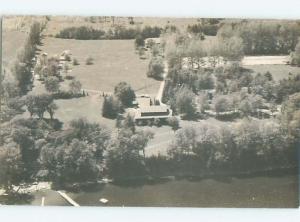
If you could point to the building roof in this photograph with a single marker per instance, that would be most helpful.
(143, 101)
(154, 109)
(150, 112)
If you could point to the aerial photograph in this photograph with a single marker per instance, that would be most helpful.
(149, 111)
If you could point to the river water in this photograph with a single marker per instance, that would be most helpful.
(258, 191)
(229, 192)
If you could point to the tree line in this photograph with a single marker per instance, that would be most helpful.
(12, 89)
(263, 37)
(118, 32)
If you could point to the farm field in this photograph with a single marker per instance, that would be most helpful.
(114, 61)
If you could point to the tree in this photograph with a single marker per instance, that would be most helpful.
(139, 41)
(185, 102)
(222, 104)
(202, 102)
(11, 167)
(34, 33)
(173, 122)
(124, 93)
(156, 68)
(290, 118)
(51, 109)
(184, 142)
(205, 81)
(128, 123)
(23, 76)
(111, 107)
(71, 162)
(52, 84)
(94, 134)
(123, 158)
(39, 104)
(75, 87)
(232, 49)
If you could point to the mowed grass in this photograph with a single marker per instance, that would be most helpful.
(114, 61)
(278, 71)
(89, 108)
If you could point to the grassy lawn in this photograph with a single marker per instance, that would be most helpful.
(114, 61)
(278, 71)
(88, 107)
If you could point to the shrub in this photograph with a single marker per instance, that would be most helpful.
(89, 61)
(173, 122)
(75, 62)
(65, 95)
(157, 122)
(75, 87)
(52, 84)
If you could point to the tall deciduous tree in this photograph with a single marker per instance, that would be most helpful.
(185, 103)
(124, 93)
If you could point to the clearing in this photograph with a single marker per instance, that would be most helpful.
(278, 71)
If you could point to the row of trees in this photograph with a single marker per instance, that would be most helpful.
(12, 89)
(263, 37)
(245, 146)
(193, 53)
(118, 32)
(21, 69)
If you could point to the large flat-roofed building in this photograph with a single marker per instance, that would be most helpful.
(147, 111)
(153, 112)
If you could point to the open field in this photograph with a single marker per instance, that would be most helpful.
(12, 41)
(278, 71)
(265, 60)
(88, 107)
(14, 34)
(114, 61)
